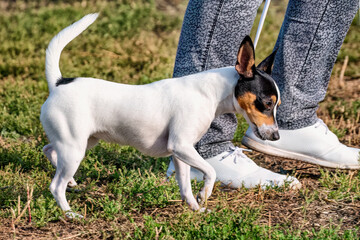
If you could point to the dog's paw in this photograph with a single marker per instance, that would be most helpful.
(72, 215)
(72, 183)
(200, 199)
(204, 210)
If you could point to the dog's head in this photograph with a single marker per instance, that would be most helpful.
(256, 92)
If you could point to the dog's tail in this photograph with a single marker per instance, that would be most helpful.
(57, 44)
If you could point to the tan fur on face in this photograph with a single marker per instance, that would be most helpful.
(273, 97)
(246, 102)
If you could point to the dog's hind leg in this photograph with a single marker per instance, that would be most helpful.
(69, 158)
(51, 154)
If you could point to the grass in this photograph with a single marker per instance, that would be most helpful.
(121, 192)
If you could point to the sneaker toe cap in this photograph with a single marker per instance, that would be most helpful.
(345, 157)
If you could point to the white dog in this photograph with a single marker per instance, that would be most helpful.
(160, 119)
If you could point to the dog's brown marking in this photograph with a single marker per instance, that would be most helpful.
(246, 102)
(273, 97)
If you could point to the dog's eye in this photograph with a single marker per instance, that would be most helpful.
(262, 105)
(268, 103)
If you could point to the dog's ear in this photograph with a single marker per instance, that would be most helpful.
(246, 58)
(267, 63)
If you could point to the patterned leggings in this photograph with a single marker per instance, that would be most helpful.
(308, 43)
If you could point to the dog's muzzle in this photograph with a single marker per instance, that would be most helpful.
(267, 132)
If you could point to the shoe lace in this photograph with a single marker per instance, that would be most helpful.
(237, 153)
(320, 123)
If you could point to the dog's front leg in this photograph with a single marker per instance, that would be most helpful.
(182, 171)
(186, 154)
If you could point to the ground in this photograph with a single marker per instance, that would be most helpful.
(124, 194)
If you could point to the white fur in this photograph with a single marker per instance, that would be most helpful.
(163, 118)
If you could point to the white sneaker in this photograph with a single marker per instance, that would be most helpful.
(236, 170)
(314, 144)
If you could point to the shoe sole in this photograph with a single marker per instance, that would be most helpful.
(250, 143)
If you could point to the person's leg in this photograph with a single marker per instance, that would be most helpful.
(308, 43)
(210, 37)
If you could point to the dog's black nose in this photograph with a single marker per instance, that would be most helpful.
(275, 136)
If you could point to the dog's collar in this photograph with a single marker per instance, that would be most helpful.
(236, 105)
